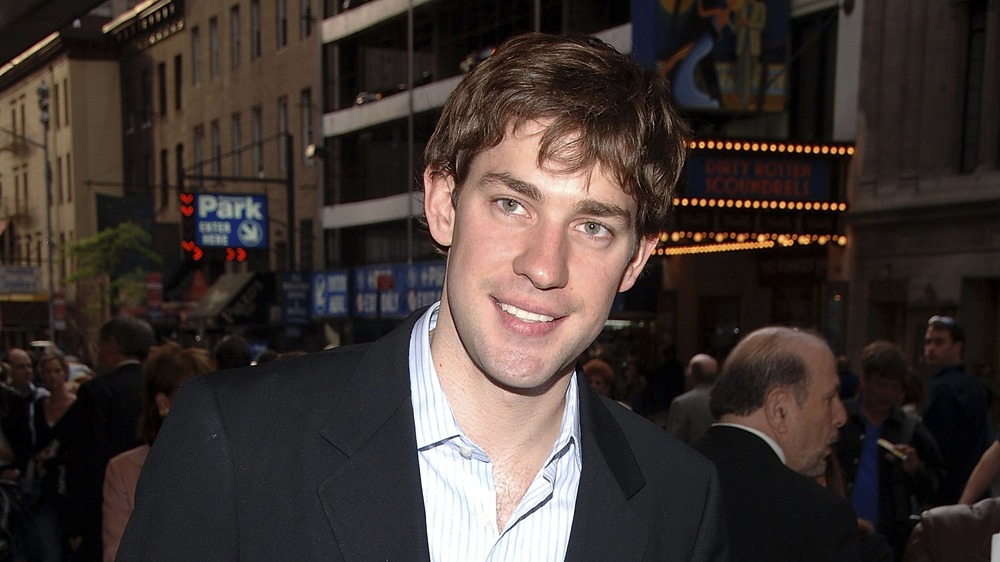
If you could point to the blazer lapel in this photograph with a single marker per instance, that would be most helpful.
(605, 527)
(373, 500)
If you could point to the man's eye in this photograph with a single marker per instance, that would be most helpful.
(595, 229)
(508, 205)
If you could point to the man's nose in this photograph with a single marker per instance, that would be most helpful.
(839, 414)
(543, 257)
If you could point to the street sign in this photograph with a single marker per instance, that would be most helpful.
(295, 292)
(228, 220)
(329, 294)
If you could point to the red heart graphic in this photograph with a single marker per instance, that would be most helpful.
(187, 198)
(188, 245)
(187, 210)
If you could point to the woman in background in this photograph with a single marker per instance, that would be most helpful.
(44, 502)
(162, 375)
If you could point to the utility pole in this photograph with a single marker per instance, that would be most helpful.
(43, 106)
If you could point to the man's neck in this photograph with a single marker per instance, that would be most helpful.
(507, 424)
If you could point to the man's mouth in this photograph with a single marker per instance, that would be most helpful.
(524, 315)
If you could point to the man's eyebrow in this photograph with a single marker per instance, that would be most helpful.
(585, 207)
(519, 186)
(604, 210)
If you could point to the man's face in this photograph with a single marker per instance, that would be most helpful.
(107, 355)
(22, 371)
(939, 349)
(813, 425)
(879, 394)
(535, 259)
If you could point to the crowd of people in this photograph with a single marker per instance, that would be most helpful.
(72, 448)
(894, 458)
(488, 426)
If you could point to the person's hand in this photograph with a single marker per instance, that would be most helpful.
(908, 456)
(10, 474)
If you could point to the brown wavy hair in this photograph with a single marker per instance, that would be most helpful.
(599, 105)
(166, 369)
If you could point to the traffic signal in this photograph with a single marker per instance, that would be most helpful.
(43, 103)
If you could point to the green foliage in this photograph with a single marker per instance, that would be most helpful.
(112, 261)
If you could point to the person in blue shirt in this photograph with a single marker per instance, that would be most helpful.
(886, 483)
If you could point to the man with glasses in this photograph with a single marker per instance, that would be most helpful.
(956, 408)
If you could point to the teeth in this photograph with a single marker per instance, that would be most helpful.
(524, 315)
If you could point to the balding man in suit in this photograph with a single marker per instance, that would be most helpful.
(690, 417)
(778, 408)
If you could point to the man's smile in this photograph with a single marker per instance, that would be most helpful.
(524, 315)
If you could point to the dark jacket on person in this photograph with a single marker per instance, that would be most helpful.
(315, 458)
(900, 493)
(959, 533)
(956, 412)
(773, 513)
(100, 424)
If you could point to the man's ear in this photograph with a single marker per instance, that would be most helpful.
(637, 262)
(438, 206)
(777, 407)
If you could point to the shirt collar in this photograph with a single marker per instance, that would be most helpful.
(435, 420)
(767, 439)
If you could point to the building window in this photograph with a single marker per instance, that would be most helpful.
(161, 84)
(814, 39)
(59, 179)
(195, 56)
(69, 177)
(213, 47)
(305, 115)
(55, 105)
(216, 149)
(282, 133)
(282, 21)
(65, 101)
(164, 179)
(62, 262)
(234, 43)
(179, 166)
(975, 59)
(306, 244)
(305, 19)
(147, 97)
(148, 178)
(199, 152)
(178, 82)
(256, 152)
(254, 29)
(237, 133)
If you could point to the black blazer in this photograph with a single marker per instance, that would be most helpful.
(100, 424)
(773, 513)
(314, 458)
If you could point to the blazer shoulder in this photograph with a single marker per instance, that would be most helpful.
(296, 374)
(654, 447)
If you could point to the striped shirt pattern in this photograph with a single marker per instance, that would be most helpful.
(456, 476)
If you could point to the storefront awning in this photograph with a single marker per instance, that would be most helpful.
(236, 299)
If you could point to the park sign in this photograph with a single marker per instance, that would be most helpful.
(225, 220)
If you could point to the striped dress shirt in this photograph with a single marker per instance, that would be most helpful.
(456, 476)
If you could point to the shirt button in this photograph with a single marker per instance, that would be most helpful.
(465, 452)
